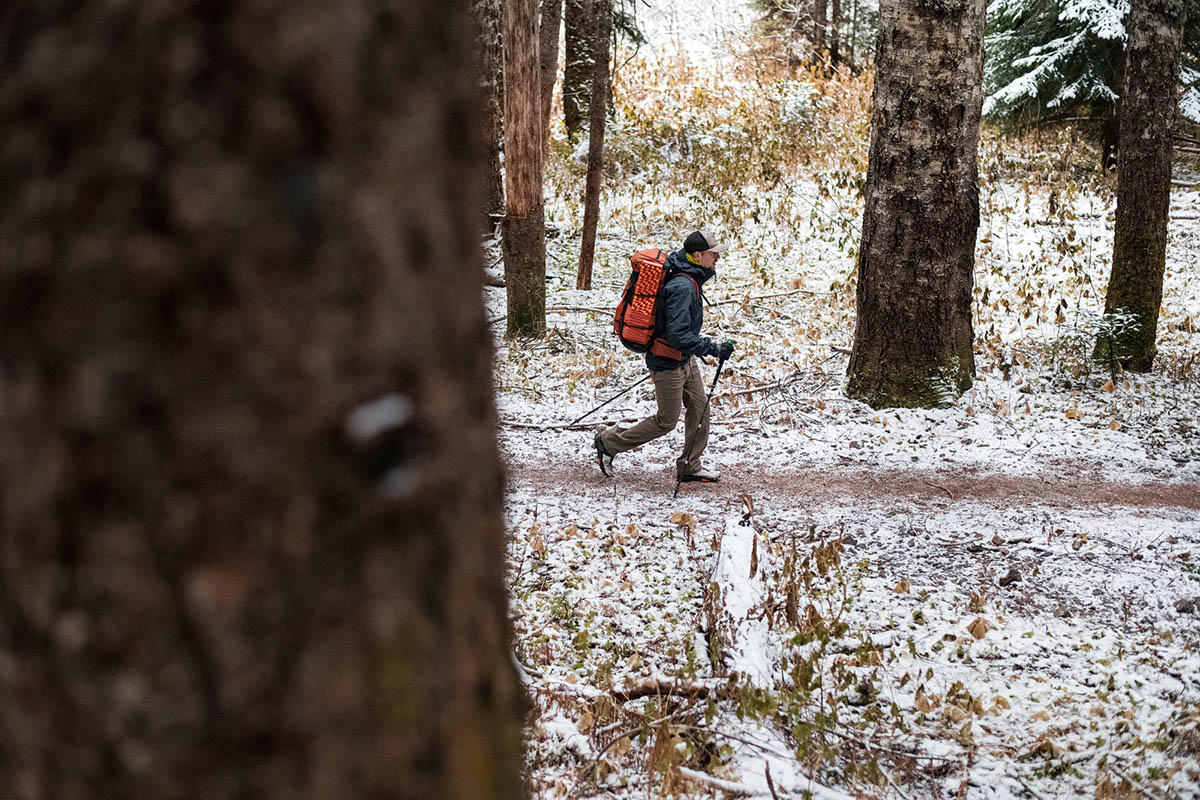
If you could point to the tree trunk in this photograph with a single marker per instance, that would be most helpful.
(578, 23)
(524, 231)
(853, 33)
(595, 166)
(834, 34)
(245, 361)
(1143, 180)
(1110, 135)
(550, 27)
(913, 339)
(491, 116)
(820, 20)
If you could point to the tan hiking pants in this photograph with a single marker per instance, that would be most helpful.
(672, 388)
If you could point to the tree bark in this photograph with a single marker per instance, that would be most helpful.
(491, 117)
(550, 27)
(595, 165)
(820, 21)
(577, 65)
(913, 338)
(1143, 180)
(853, 33)
(524, 232)
(244, 363)
(834, 34)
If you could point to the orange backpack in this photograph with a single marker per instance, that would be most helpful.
(636, 315)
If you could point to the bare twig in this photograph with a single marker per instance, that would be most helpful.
(770, 783)
(1026, 786)
(943, 488)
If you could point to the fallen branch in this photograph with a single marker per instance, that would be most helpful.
(581, 309)
(744, 300)
(661, 688)
(557, 426)
(729, 787)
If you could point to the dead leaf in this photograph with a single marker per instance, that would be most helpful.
(902, 587)
(922, 702)
(1114, 425)
(686, 520)
(537, 545)
(571, 531)
(955, 714)
(1074, 413)
(632, 530)
(978, 628)
(1109, 386)
(1000, 701)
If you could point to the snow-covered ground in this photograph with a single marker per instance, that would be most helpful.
(994, 599)
(1011, 609)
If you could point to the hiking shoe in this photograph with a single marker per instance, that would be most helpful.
(701, 476)
(603, 458)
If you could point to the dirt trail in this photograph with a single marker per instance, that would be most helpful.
(918, 486)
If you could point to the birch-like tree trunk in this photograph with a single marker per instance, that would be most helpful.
(578, 22)
(251, 541)
(549, 29)
(524, 229)
(913, 338)
(488, 15)
(595, 166)
(1143, 180)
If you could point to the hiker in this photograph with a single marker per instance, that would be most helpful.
(672, 363)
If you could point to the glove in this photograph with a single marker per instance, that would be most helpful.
(725, 350)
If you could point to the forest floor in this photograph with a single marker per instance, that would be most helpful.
(1083, 677)
(997, 598)
(993, 599)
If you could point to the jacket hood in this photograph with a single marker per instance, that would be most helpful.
(678, 260)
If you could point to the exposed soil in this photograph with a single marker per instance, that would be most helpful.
(808, 486)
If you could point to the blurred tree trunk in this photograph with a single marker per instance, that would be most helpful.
(577, 65)
(834, 34)
(524, 229)
(913, 339)
(1143, 180)
(491, 117)
(595, 165)
(250, 497)
(550, 27)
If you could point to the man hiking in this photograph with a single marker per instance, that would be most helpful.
(672, 363)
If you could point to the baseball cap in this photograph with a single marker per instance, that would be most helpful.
(701, 240)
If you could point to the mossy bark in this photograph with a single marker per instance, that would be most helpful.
(244, 362)
(1143, 180)
(913, 342)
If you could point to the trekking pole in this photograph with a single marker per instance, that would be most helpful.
(688, 453)
(609, 400)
